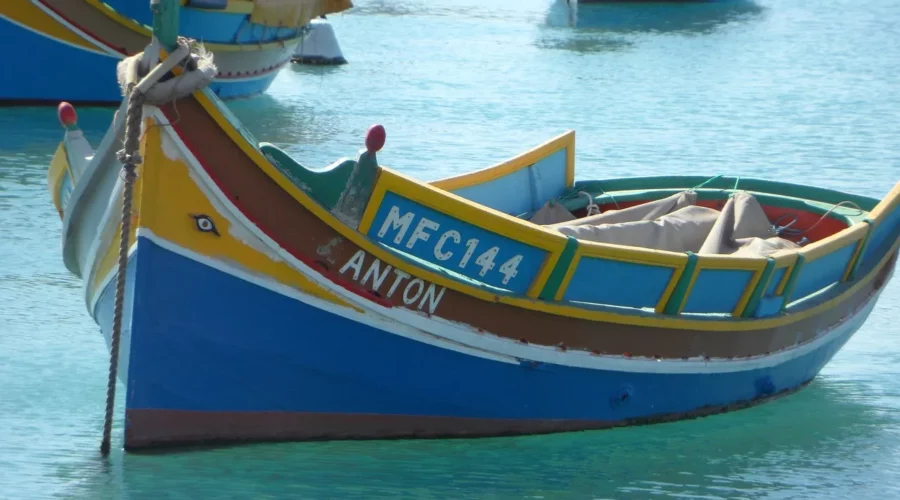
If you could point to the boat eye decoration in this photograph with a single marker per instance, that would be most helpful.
(205, 224)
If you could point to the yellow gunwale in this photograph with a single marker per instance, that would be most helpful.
(455, 206)
(32, 17)
(565, 140)
(388, 257)
(888, 204)
(59, 168)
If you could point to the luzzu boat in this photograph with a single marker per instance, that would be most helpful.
(263, 300)
(82, 41)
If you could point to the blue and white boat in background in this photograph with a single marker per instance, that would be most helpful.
(83, 40)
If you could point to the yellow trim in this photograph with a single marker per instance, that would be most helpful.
(728, 263)
(113, 14)
(558, 309)
(676, 261)
(784, 258)
(852, 262)
(30, 15)
(59, 167)
(565, 140)
(464, 210)
(455, 206)
(888, 204)
(570, 272)
(170, 196)
(835, 242)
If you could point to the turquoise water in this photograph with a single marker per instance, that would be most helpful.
(804, 91)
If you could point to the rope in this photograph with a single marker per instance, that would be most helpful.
(786, 229)
(130, 159)
(139, 91)
(707, 181)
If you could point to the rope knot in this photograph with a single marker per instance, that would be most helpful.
(129, 158)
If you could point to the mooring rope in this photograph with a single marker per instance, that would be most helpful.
(130, 158)
(199, 72)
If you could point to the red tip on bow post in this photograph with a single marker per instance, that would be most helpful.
(67, 116)
(375, 138)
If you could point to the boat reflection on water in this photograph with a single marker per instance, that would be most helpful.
(654, 17)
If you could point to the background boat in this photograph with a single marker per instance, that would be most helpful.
(85, 39)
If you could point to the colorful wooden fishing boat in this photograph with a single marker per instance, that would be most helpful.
(264, 300)
(85, 39)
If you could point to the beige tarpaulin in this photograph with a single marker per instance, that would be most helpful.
(645, 211)
(683, 230)
(294, 13)
(676, 224)
(743, 229)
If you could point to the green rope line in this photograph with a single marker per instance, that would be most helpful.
(707, 181)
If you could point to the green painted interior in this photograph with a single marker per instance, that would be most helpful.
(760, 288)
(323, 185)
(684, 281)
(554, 281)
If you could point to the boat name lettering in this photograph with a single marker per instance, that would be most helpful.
(415, 292)
(448, 245)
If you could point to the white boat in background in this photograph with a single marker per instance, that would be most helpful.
(320, 46)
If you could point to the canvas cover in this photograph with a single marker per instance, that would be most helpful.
(645, 211)
(676, 224)
(551, 213)
(294, 13)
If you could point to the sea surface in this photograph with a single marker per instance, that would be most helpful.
(806, 91)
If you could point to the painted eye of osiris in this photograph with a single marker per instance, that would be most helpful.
(205, 224)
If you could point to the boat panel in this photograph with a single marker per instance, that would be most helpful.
(719, 291)
(606, 281)
(523, 183)
(822, 272)
(456, 245)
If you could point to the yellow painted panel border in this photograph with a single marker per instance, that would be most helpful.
(888, 204)
(563, 310)
(59, 168)
(728, 263)
(823, 247)
(28, 14)
(565, 140)
(618, 253)
(170, 195)
(785, 259)
(466, 211)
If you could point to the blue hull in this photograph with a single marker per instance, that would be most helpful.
(77, 75)
(208, 345)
